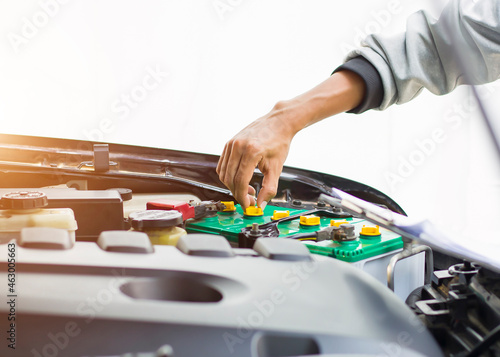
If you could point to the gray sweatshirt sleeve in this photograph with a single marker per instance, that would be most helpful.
(422, 57)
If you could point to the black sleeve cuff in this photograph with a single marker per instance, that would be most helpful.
(374, 88)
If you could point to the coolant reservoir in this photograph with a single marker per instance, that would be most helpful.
(25, 209)
(159, 225)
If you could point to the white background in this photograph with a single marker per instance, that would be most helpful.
(229, 62)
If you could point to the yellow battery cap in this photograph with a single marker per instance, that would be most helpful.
(309, 220)
(280, 214)
(229, 206)
(370, 231)
(337, 223)
(254, 211)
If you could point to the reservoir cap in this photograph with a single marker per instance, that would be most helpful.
(141, 220)
(24, 200)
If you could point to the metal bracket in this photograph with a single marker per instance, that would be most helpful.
(101, 161)
(410, 250)
(101, 157)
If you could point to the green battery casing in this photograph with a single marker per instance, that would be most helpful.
(229, 224)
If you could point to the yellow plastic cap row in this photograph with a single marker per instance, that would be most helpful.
(370, 231)
(337, 223)
(309, 220)
(280, 214)
(254, 211)
(229, 206)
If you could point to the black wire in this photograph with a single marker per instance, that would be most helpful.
(302, 235)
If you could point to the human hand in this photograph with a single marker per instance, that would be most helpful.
(263, 144)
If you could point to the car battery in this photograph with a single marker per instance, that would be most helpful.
(369, 248)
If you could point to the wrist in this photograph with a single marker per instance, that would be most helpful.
(340, 92)
(294, 114)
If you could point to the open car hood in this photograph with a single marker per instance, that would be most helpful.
(27, 161)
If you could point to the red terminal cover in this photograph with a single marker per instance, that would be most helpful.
(179, 206)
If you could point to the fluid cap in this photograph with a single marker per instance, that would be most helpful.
(309, 220)
(280, 214)
(155, 219)
(230, 207)
(370, 231)
(338, 223)
(24, 200)
(253, 211)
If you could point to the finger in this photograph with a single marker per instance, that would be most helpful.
(251, 195)
(252, 200)
(242, 179)
(222, 165)
(221, 160)
(269, 186)
(231, 166)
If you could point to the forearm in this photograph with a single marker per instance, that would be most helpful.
(341, 92)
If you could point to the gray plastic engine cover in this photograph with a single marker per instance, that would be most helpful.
(85, 301)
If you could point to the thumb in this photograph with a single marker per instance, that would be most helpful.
(269, 186)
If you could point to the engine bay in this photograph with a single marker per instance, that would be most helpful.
(141, 255)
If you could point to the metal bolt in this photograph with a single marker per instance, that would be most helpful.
(255, 228)
(255, 231)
